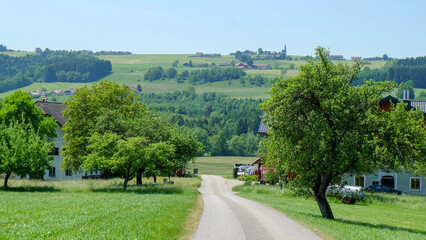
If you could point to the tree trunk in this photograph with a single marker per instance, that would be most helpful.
(323, 205)
(6, 179)
(155, 179)
(139, 177)
(126, 180)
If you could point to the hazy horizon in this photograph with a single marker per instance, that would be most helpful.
(348, 28)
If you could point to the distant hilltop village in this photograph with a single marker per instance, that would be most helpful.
(105, 52)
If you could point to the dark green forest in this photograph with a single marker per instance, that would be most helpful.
(224, 125)
(50, 66)
(399, 71)
(214, 74)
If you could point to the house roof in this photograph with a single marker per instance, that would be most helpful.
(54, 110)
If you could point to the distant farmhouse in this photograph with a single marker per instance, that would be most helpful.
(356, 58)
(207, 55)
(242, 65)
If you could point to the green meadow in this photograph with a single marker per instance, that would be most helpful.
(82, 209)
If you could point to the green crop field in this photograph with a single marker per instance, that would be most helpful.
(82, 209)
(380, 216)
(130, 70)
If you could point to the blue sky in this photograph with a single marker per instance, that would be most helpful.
(346, 27)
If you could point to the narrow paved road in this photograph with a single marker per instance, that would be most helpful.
(227, 216)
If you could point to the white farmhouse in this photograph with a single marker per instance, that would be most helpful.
(55, 110)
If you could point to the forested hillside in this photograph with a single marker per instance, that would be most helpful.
(50, 66)
(224, 125)
(400, 70)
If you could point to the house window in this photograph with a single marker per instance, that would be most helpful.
(415, 183)
(52, 172)
(68, 172)
(360, 181)
(55, 152)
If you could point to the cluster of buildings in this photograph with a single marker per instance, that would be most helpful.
(41, 93)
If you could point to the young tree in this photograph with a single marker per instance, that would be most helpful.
(20, 106)
(323, 128)
(158, 157)
(175, 63)
(23, 151)
(186, 148)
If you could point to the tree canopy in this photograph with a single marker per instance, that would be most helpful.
(103, 108)
(20, 106)
(110, 130)
(322, 127)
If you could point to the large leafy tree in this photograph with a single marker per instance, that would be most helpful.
(105, 107)
(322, 127)
(110, 130)
(23, 151)
(112, 153)
(25, 137)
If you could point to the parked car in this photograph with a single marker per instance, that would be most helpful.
(348, 194)
(382, 188)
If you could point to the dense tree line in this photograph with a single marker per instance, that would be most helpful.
(50, 66)
(3, 48)
(214, 74)
(225, 126)
(399, 71)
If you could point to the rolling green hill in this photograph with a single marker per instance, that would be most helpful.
(130, 70)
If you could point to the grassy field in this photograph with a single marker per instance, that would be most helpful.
(130, 70)
(221, 166)
(380, 216)
(83, 209)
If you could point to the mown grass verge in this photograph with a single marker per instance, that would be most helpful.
(98, 209)
(380, 216)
